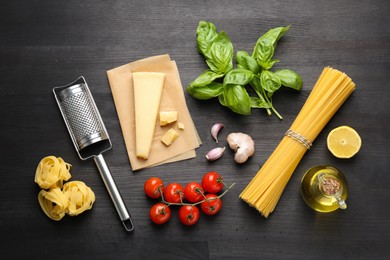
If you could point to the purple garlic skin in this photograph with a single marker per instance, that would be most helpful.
(215, 130)
(215, 153)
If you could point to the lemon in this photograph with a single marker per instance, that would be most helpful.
(344, 142)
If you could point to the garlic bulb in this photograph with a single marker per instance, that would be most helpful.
(242, 144)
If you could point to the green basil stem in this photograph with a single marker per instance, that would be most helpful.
(262, 97)
(276, 112)
(265, 97)
(272, 106)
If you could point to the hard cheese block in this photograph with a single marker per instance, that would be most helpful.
(172, 98)
(147, 95)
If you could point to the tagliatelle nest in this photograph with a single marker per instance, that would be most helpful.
(74, 198)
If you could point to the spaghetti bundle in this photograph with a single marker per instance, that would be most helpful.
(329, 93)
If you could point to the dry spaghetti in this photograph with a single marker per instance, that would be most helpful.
(329, 93)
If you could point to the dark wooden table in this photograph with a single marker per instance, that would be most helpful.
(44, 44)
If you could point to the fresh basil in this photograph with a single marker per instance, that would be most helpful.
(289, 79)
(265, 47)
(236, 98)
(221, 54)
(269, 81)
(245, 61)
(229, 84)
(238, 77)
(206, 77)
(256, 84)
(206, 33)
(264, 50)
(259, 103)
(275, 34)
(211, 90)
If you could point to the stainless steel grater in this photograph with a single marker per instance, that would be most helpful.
(89, 135)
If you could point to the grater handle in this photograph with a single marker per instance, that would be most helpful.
(114, 192)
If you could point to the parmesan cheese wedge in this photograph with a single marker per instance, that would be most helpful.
(147, 94)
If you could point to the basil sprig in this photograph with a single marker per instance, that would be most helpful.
(229, 84)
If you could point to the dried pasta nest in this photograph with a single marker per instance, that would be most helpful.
(56, 198)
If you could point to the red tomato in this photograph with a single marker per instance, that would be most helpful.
(189, 215)
(194, 192)
(160, 213)
(212, 182)
(212, 205)
(153, 187)
(174, 193)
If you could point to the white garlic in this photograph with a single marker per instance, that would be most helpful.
(215, 130)
(215, 153)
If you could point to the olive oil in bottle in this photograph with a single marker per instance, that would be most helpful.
(324, 188)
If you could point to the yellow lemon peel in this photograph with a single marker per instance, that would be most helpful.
(344, 142)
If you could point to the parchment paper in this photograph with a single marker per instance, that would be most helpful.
(121, 83)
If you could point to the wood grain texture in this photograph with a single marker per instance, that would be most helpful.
(44, 44)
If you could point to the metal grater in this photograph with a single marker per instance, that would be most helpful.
(89, 135)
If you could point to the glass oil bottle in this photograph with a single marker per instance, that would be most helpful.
(324, 188)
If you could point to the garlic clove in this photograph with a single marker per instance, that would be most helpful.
(215, 130)
(215, 153)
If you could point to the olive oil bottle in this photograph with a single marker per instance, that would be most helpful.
(324, 188)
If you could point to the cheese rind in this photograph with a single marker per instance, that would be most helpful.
(147, 95)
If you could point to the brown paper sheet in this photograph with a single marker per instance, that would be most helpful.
(121, 83)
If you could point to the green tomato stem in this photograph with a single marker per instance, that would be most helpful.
(193, 204)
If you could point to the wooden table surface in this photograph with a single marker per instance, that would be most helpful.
(44, 44)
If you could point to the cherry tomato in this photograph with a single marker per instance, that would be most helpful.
(174, 193)
(160, 213)
(212, 182)
(153, 187)
(189, 215)
(212, 205)
(193, 192)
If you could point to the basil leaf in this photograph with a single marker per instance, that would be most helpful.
(275, 34)
(256, 84)
(213, 66)
(269, 81)
(212, 90)
(264, 50)
(236, 98)
(259, 103)
(238, 77)
(247, 62)
(221, 54)
(268, 64)
(265, 46)
(289, 79)
(206, 33)
(205, 78)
